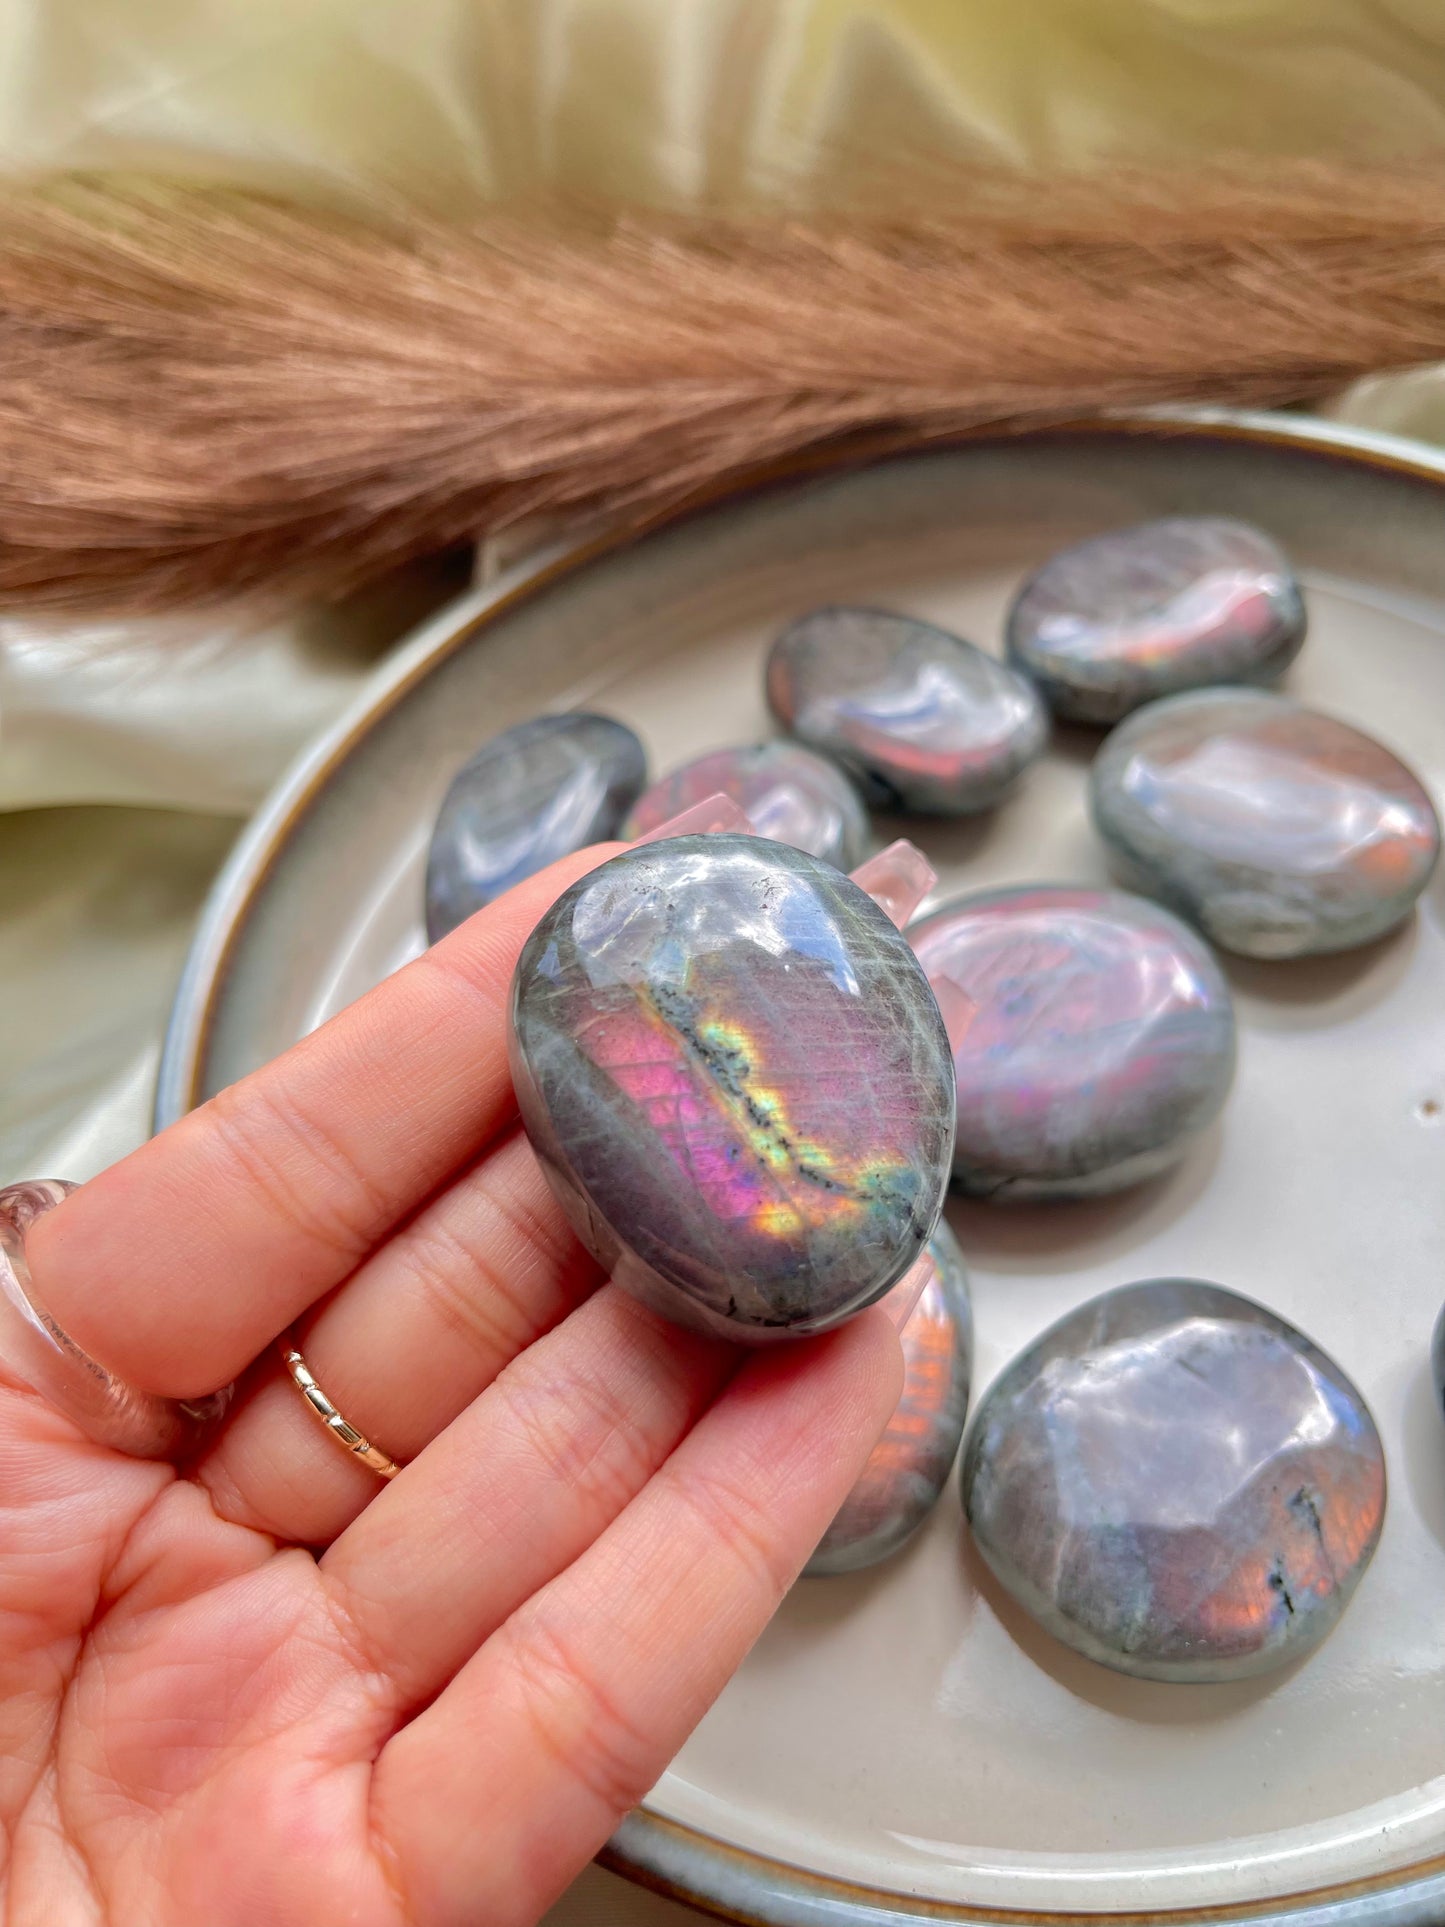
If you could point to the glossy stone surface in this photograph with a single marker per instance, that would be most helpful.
(1437, 1358)
(1153, 610)
(529, 796)
(1279, 831)
(734, 1073)
(787, 792)
(910, 1464)
(1097, 1041)
(924, 720)
(1177, 1483)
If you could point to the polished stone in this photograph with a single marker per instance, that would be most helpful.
(924, 720)
(533, 794)
(1279, 831)
(910, 1464)
(1155, 609)
(1097, 1037)
(733, 1071)
(788, 793)
(1177, 1483)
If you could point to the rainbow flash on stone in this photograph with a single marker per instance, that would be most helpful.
(738, 1081)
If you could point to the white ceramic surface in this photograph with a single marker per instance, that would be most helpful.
(906, 1729)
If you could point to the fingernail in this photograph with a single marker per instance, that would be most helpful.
(712, 814)
(897, 879)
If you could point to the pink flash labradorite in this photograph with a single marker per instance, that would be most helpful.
(910, 1464)
(737, 1080)
(1279, 830)
(1093, 1037)
(786, 791)
(920, 718)
(1177, 1483)
(1151, 610)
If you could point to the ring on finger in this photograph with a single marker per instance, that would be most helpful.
(340, 1429)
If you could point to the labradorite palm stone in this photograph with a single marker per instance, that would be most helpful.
(1151, 610)
(910, 1464)
(1280, 831)
(737, 1080)
(922, 719)
(784, 790)
(1177, 1483)
(529, 796)
(1100, 1042)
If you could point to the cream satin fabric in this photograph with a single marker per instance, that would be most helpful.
(680, 97)
(130, 754)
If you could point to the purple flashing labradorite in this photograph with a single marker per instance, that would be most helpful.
(910, 1464)
(1096, 1038)
(785, 791)
(1155, 609)
(923, 720)
(736, 1078)
(1280, 831)
(529, 796)
(1176, 1482)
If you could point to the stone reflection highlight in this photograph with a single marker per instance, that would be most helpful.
(1177, 1483)
(1097, 1037)
(733, 1071)
(787, 792)
(924, 720)
(529, 796)
(1153, 610)
(1281, 832)
(910, 1464)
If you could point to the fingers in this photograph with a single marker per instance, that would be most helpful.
(176, 1266)
(402, 1347)
(520, 1485)
(493, 1798)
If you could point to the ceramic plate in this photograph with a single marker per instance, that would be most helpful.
(903, 1744)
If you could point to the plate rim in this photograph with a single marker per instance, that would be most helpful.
(669, 1857)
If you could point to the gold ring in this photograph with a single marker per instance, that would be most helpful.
(336, 1425)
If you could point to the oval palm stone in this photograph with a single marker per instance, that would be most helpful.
(910, 1464)
(784, 790)
(1279, 831)
(1177, 1483)
(533, 794)
(1098, 1037)
(924, 720)
(1152, 610)
(736, 1077)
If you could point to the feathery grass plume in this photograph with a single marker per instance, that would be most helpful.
(208, 393)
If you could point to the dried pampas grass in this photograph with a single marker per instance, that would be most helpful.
(207, 393)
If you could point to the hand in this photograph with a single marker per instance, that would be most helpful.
(440, 1715)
